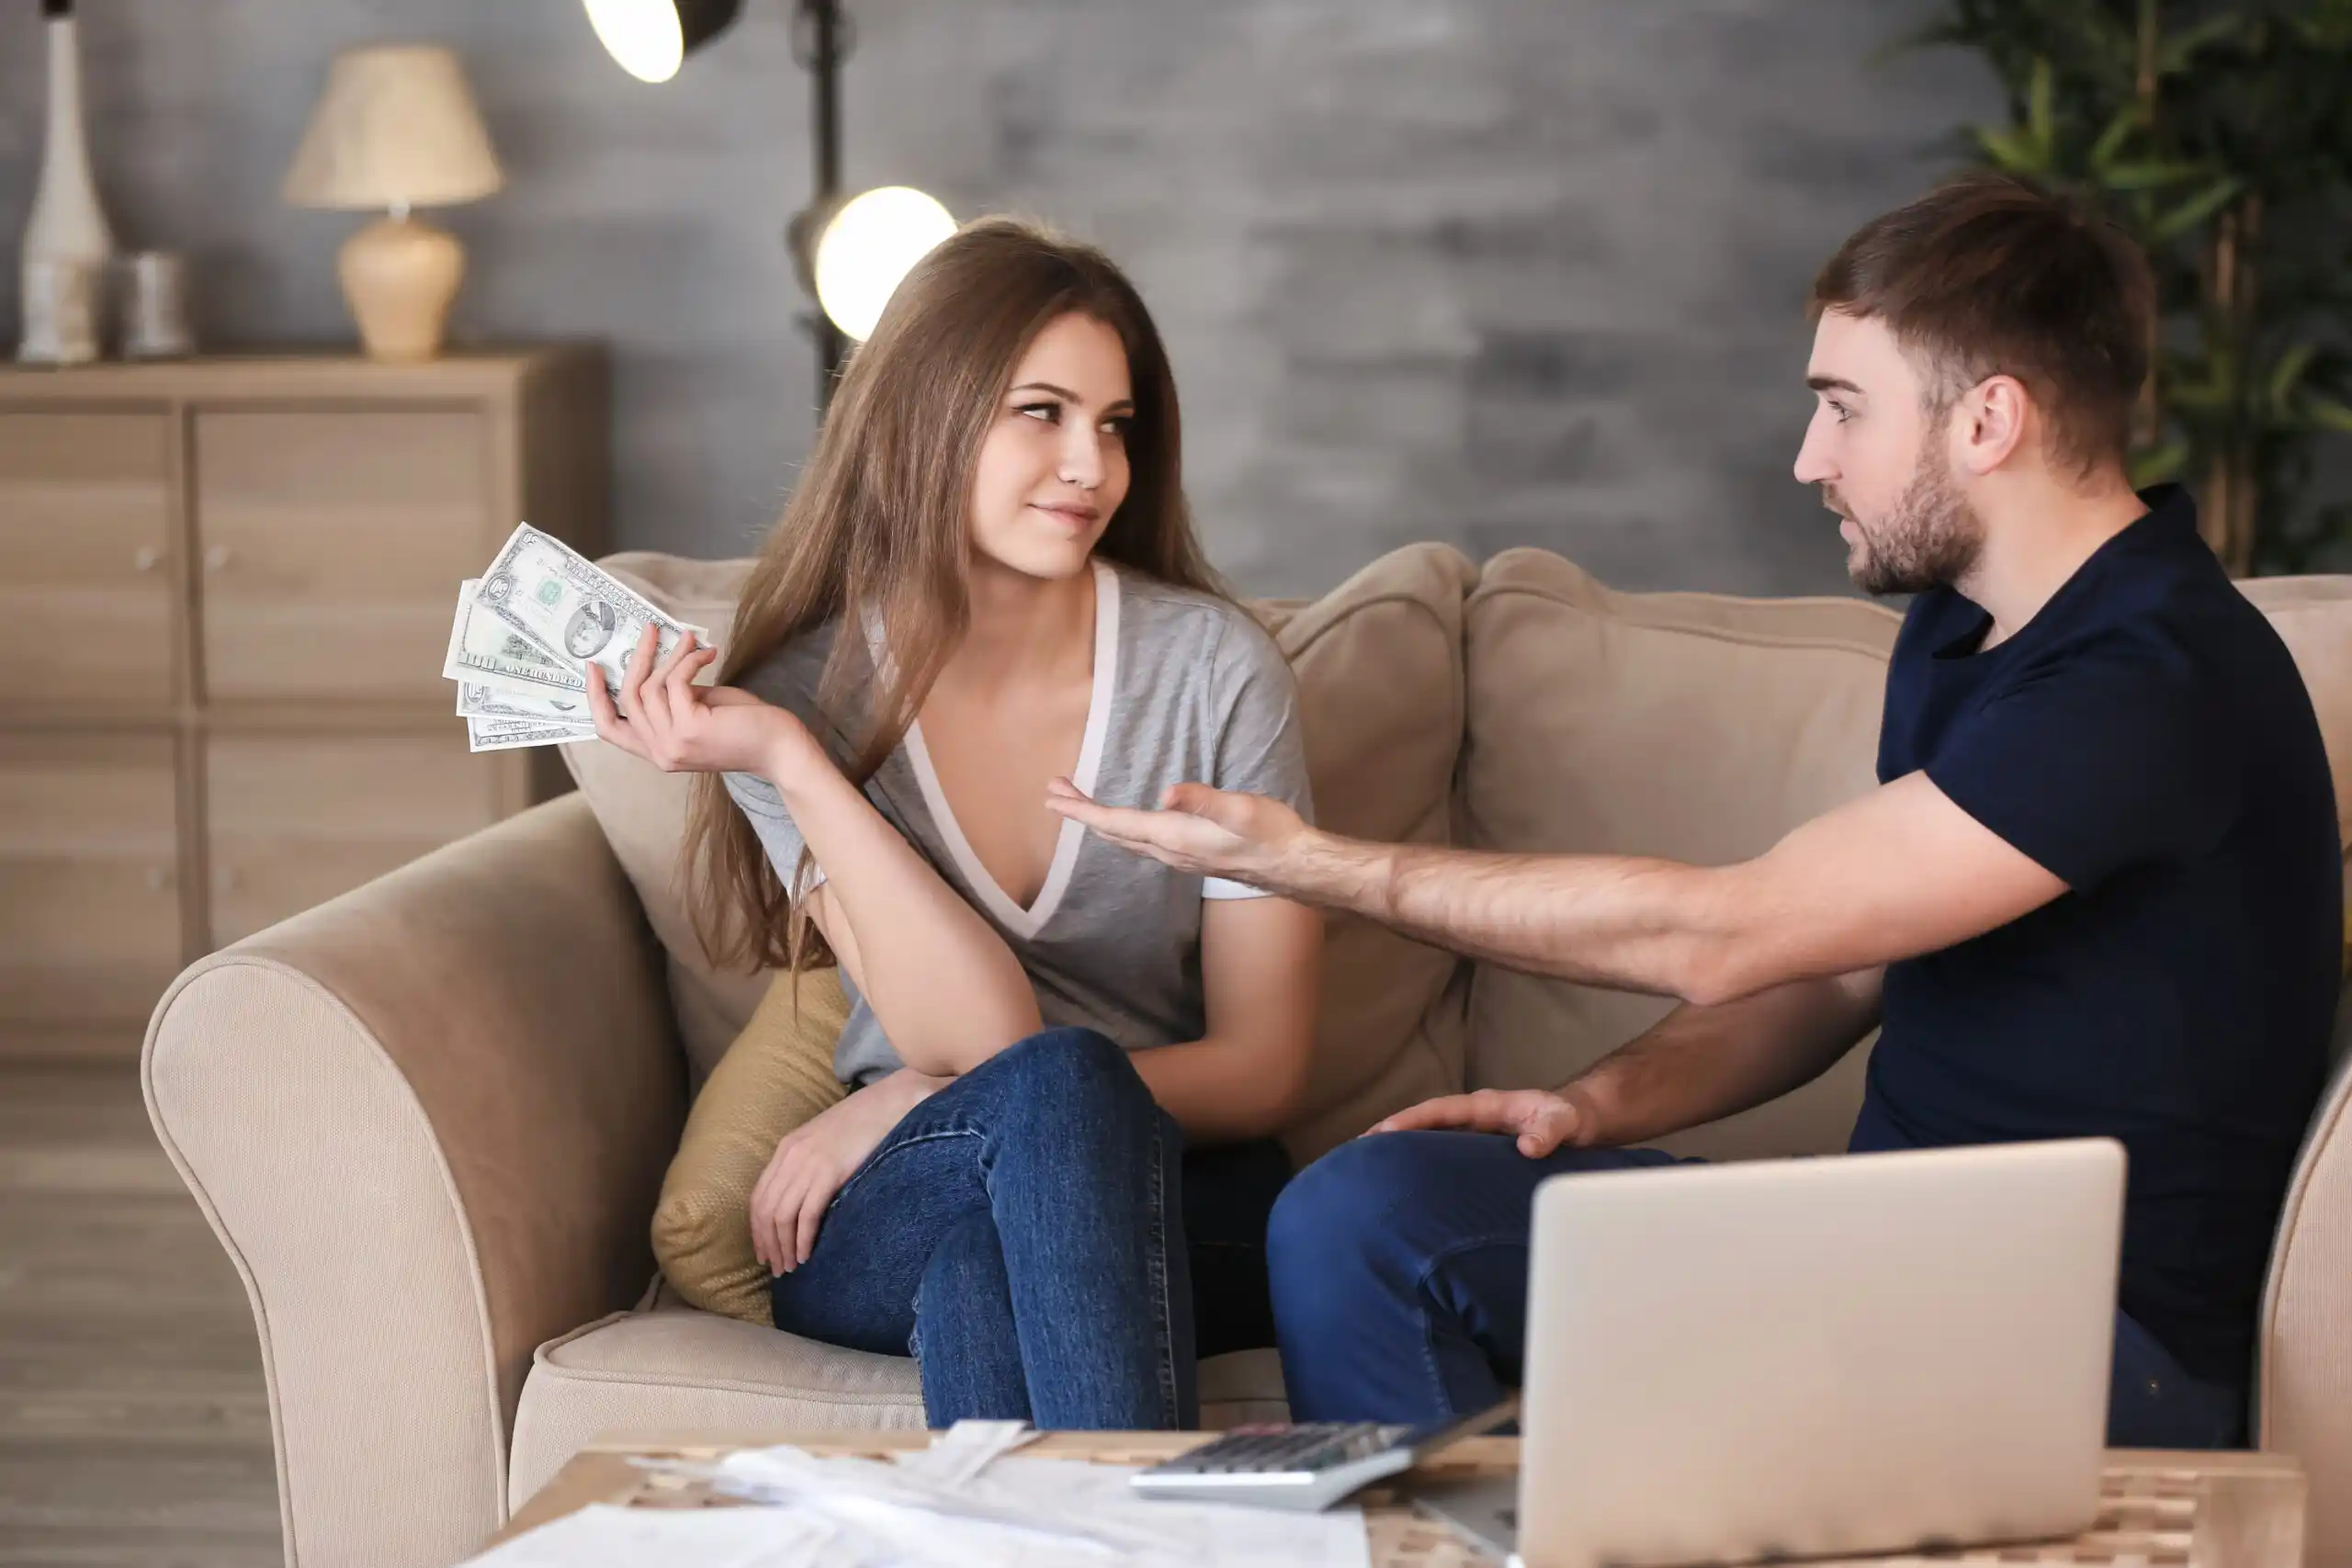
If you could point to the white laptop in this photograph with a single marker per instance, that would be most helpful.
(1809, 1358)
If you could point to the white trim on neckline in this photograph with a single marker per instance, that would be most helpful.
(1026, 923)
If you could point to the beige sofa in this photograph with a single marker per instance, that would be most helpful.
(428, 1120)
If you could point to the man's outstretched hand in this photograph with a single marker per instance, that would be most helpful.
(1539, 1119)
(1242, 838)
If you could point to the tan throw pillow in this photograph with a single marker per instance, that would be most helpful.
(777, 1075)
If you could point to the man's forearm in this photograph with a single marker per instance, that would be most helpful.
(1700, 1064)
(1616, 920)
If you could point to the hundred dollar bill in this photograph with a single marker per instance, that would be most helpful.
(542, 588)
(506, 734)
(486, 651)
(477, 700)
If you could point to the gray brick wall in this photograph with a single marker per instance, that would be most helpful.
(1499, 272)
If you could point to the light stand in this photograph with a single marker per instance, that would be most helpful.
(859, 259)
(821, 40)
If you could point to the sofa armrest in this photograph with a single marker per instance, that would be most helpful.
(428, 1120)
(2303, 1388)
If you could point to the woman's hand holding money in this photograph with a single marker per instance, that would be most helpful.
(662, 716)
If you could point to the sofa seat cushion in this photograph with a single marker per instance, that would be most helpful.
(1687, 725)
(675, 1368)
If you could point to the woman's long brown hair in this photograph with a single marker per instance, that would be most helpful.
(878, 530)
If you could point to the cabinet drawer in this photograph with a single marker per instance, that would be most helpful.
(294, 820)
(332, 542)
(89, 890)
(85, 567)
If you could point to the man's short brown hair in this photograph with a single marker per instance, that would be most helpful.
(1990, 276)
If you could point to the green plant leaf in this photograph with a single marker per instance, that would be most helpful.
(2157, 464)
(2042, 115)
(2201, 397)
(2197, 210)
(2328, 413)
(2110, 142)
(2287, 372)
(2012, 149)
(2179, 51)
(2153, 174)
(2251, 106)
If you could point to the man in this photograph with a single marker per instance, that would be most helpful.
(2097, 891)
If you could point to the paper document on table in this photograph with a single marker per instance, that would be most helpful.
(602, 1536)
(957, 1506)
(967, 1448)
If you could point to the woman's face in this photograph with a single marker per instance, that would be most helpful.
(1054, 465)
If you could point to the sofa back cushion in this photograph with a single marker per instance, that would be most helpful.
(643, 813)
(1380, 683)
(2313, 618)
(1379, 666)
(1687, 725)
(1700, 729)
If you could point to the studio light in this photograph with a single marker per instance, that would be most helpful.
(651, 39)
(870, 244)
(850, 254)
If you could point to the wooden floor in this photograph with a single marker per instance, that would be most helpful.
(134, 1425)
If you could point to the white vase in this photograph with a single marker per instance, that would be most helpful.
(67, 244)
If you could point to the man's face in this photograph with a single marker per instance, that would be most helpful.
(1879, 453)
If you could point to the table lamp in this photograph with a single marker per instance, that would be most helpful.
(396, 129)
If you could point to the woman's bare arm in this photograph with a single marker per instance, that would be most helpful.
(948, 991)
(1261, 967)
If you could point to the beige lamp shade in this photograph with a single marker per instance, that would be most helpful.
(396, 127)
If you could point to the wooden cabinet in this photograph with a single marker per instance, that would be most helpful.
(90, 926)
(88, 571)
(292, 820)
(225, 588)
(290, 502)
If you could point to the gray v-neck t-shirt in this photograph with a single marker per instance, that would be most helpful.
(1187, 689)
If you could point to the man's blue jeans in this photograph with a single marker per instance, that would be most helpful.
(1399, 1270)
(1024, 1234)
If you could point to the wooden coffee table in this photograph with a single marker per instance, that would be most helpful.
(2162, 1510)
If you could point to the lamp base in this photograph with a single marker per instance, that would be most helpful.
(399, 276)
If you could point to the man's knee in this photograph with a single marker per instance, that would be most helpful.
(1363, 1197)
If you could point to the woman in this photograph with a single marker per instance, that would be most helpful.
(1051, 1181)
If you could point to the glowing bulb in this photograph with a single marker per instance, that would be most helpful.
(644, 36)
(869, 246)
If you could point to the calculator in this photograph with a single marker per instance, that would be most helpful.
(1309, 1466)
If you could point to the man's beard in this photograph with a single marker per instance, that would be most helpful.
(1930, 538)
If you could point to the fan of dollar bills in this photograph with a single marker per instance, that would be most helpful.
(524, 631)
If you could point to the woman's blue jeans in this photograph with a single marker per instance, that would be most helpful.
(1030, 1234)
